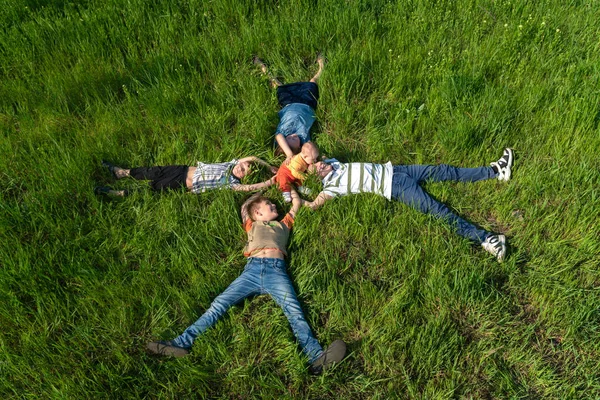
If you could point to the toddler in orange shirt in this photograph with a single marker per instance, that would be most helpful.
(294, 171)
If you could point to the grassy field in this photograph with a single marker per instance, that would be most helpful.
(86, 282)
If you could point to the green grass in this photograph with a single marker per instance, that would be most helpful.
(85, 282)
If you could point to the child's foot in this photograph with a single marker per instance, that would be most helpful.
(166, 348)
(106, 191)
(321, 63)
(333, 354)
(504, 165)
(495, 244)
(273, 82)
(287, 197)
(258, 62)
(117, 172)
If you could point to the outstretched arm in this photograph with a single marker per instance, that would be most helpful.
(255, 186)
(257, 160)
(284, 145)
(244, 211)
(296, 203)
(318, 202)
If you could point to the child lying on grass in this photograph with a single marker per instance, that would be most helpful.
(265, 273)
(298, 102)
(227, 175)
(403, 183)
(294, 171)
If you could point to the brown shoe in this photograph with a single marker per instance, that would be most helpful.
(333, 354)
(166, 348)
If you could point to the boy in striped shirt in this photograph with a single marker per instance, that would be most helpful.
(403, 183)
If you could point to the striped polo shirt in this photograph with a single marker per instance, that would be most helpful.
(214, 176)
(353, 178)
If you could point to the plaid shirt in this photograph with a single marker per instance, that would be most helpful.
(214, 176)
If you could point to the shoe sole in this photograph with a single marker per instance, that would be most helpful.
(502, 256)
(509, 165)
(111, 168)
(166, 350)
(101, 190)
(334, 353)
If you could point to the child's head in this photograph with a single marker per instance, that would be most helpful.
(293, 141)
(241, 169)
(320, 168)
(262, 209)
(310, 152)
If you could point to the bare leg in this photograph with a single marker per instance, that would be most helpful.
(273, 81)
(321, 62)
(189, 179)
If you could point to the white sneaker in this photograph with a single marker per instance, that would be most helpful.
(495, 244)
(504, 164)
(287, 197)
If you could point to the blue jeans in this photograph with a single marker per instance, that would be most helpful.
(406, 188)
(261, 276)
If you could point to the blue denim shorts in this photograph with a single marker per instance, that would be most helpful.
(298, 92)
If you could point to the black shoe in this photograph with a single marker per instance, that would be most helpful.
(166, 348)
(110, 167)
(102, 190)
(334, 353)
(107, 191)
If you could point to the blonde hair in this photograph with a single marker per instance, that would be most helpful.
(253, 206)
(310, 146)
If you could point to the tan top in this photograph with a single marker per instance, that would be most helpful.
(268, 235)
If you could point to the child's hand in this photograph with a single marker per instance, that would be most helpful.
(274, 170)
(287, 161)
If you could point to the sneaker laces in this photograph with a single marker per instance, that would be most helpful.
(496, 243)
(503, 161)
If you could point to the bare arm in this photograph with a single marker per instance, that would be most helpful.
(244, 211)
(318, 202)
(255, 186)
(296, 203)
(257, 160)
(284, 145)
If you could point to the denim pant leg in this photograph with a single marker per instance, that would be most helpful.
(444, 172)
(247, 284)
(278, 285)
(408, 191)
